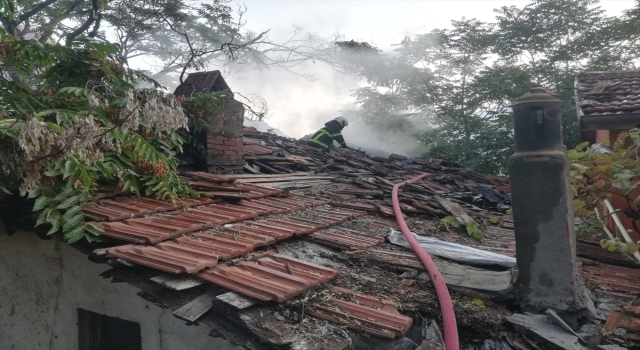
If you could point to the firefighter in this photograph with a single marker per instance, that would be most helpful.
(323, 138)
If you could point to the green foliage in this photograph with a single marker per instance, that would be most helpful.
(451, 221)
(72, 120)
(596, 175)
(479, 303)
(615, 245)
(471, 228)
(474, 231)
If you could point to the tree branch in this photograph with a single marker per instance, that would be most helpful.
(34, 11)
(92, 18)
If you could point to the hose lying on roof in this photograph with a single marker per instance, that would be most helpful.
(446, 306)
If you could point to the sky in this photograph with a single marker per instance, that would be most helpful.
(299, 106)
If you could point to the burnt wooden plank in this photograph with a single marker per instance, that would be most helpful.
(454, 209)
(237, 300)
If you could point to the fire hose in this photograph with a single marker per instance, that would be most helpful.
(446, 305)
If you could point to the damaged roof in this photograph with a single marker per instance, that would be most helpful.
(301, 250)
(608, 100)
(201, 82)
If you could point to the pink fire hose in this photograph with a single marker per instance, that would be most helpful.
(446, 306)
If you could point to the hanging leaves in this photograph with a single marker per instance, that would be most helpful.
(63, 133)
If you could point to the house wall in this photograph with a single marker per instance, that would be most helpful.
(44, 282)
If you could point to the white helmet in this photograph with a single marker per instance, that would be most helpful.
(342, 120)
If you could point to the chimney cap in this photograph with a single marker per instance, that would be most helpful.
(538, 94)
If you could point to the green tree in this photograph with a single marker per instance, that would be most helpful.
(72, 120)
(462, 80)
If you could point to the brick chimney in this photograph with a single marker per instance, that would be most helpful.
(542, 208)
(223, 141)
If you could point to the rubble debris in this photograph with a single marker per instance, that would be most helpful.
(627, 320)
(539, 327)
(555, 319)
(433, 338)
(236, 300)
(590, 333)
(373, 316)
(610, 347)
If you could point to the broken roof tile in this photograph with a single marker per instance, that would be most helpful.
(273, 277)
(169, 257)
(628, 319)
(370, 315)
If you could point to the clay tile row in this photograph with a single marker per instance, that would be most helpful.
(121, 208)
(370, 315)
(169, 257)
(345, 239)
(155, 229)
(274, 277)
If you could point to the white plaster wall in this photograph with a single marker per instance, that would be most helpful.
(44, 282)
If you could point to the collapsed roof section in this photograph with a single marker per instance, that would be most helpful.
(304, 238)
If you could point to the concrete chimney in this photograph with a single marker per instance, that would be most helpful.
(542, 208)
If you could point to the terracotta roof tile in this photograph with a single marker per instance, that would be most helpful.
(141, 234)
(169, 257)
(276, 277)
(238, 233)
(370, 315)
(627, 318)
(608, 93)
(222, 247)
(299, 227)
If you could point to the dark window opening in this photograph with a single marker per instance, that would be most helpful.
(101, 332)
(537, 116)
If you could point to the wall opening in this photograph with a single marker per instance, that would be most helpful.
(537, 117)
(101, 332)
